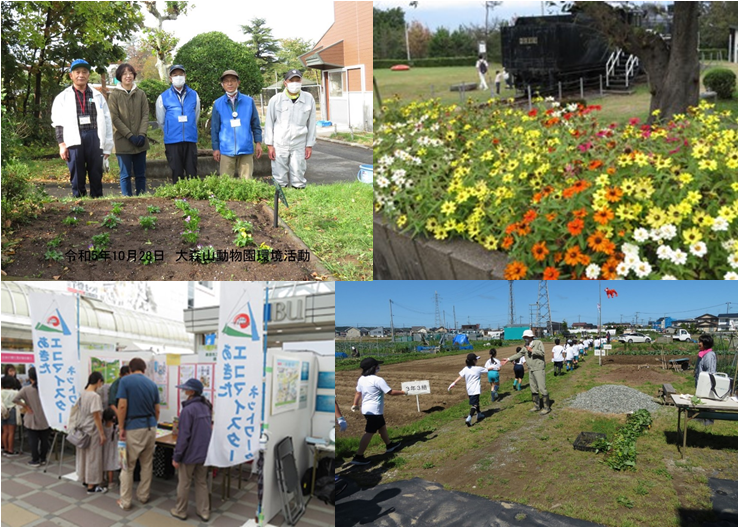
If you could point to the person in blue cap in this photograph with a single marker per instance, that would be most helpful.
(290, 131)
(235, 130)
(178, 111)
(195, 429)
(84, 130)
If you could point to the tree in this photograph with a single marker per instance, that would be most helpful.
(388, 33)
(261, 43)
(441, 43)
(462, 43)
(208, 55)
(287, 56)
(419, 38)
(138, 53)
(162, 42)
(715, 20)
(564, 327)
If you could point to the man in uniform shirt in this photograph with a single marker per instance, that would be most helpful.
(534, 352)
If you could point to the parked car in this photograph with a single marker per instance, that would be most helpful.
(681, 335)
(635, 337)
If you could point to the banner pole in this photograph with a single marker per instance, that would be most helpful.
(262, 436)
(78, 327)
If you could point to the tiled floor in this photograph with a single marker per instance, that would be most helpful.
(31, 497)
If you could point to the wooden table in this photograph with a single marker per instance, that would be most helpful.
(709, 409)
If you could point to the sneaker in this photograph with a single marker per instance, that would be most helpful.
(359, 460)
(97, 489)
(468, 421)
(480, 416)
(392, 447)
(34, 463)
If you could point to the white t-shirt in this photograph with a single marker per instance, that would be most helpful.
(471, 376)
(373, 389)
(557, 353)
(581, 347)
(492, 363)
(520, 361)
(570, 353)
(498, 77)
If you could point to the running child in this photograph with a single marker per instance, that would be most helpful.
(569, 356)
(494, 374)
(371, 389)
(471, 374)
(518, 370)
(557, 357)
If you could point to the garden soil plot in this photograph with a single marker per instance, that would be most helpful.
(623, 369)
(27, 244)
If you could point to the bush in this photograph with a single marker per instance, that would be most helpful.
(721, 81)
(222, 187)
(384, 64)
(153, 88)
(21, 200)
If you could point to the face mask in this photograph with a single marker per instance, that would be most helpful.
(178, 81)
(293, 87)
(231, 93)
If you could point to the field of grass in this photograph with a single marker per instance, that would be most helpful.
(526, 458)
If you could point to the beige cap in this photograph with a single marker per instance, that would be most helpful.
(229, 72)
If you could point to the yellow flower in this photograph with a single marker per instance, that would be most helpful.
(692, 235)
(422, 152)
(656, 217)
(602, 180)
(628, 186)
(708, 164)
(674, 214)
(487, 156)
(490, 243)
(448, 208)
(641, 159)
(402, 220)
(700, 151)
(693, 197)
(431, 224)
(685, 178)
(507, 178)
(728, 212)
(450, 136)
(440, 233)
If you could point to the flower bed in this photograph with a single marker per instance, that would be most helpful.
(562, 194)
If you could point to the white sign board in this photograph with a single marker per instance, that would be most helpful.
(607, 347)
(413, 388)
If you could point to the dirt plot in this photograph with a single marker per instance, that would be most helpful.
(26, 245)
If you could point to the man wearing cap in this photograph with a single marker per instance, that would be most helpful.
(371, 389)
(195, 428)
(84, 130)
(290, 131)
(534, 352)
(235, 128)
(178, 111)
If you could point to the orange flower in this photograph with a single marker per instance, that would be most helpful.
(558, 257)
(551, 216)
(510, 228)
(614, 194)
(611, 171)
(507, 242)
(569, 192)
(537, 197)
(540, 251)
(550, 273)
(603, 216)
(609, 268)
(580, 185)
(523, 229)
(583, 259)
(572, 256)
(515, 270)
(580, 213)
(575, 227)
(599, 242)
(529, 217)
(595, 164)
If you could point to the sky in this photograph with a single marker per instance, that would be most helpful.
(453, 13)
(486, 302)
(286, 18)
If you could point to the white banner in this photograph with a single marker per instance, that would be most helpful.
(238, 390)
(54, 333)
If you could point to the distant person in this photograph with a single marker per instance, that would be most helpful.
(10, 416)
(508, 79)
(482, 70)
(11, 373)
(493, 374)
(34, 420)
(371, 389)
(557, 357)
(89, 461)
(706, 361)
(471, 374)
(113, 393)
(355, 352)
(498, 80)
(533, 350)
(111, 457)
(518, 370)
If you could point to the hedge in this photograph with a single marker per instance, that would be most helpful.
(383, 64)
(721, 81)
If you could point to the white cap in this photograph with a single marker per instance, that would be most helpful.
(528, 333)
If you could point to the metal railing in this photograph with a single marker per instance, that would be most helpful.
(611, 65)
(632, 64)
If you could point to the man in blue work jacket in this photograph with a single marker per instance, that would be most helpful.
(235, 128)
(178, 111)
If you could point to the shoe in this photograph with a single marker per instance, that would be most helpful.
(34, 463)
(537, 405)
(359, 460)
(97, 489)
(480, 416)
(547, 406)
(118, 502)
(392, 447)
(204, 518)
(174, 513)
(468, 421)
(298, 187)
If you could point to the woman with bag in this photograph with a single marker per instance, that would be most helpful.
(90, 422)
(34, 420)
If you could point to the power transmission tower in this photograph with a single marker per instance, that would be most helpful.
(454, 310)
(544, 312)
(438, 312)
(511, 311)
(531, 314)
(392, 328)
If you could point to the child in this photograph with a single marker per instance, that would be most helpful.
(111, 459)
(575, 354)
(569, 356)
(494, 374)
(372, 389)
(471, 374)
(9, 423)
(557, 357)
(581, 350)
(518, 370)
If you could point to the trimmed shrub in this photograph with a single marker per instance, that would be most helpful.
(385, 64)
(153, 88)
(721, 81)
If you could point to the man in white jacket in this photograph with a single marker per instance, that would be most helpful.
(290, 131)
(84, 130)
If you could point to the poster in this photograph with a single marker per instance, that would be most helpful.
(186, 372)
(285, 384)
(159, 376)
(238, 372)
(205, 375)
(326, 380)
(109, 369)
(54, 334)
(305, 372)
(303, 397)
(324, 403)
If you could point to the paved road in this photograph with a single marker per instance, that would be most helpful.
(330, 163)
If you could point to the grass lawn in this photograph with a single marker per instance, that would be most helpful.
(526, 458)
(361, 138)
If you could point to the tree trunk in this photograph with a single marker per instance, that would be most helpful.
(39, 65)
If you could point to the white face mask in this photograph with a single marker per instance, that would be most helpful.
(231, 93)
(178, 81)
(293, 87)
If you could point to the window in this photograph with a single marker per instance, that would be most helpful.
(335, 84)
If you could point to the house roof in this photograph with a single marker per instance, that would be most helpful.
(728, 315)
(325, 57)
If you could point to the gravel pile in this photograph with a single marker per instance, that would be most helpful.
(615, 399)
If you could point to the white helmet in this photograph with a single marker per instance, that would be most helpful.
(528, 333)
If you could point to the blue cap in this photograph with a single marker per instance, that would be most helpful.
(192, 384)
(176, 67)
(79, 63)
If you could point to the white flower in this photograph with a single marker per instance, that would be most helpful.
(656, 235)
(729, 245)
(679, 257)
(698, 249)
(669, 277)
(592, 271)
(731, 275)
(668, 231)
(642, 269)
(631, 260)
(571, 107)
(664, 252)
(549, 99)
(720, 224)
(386, 161)
(622, 269)
(398, 175)
(630, 249)
(382, 182)
(408, 184)
(733, 260)
(641, 235)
